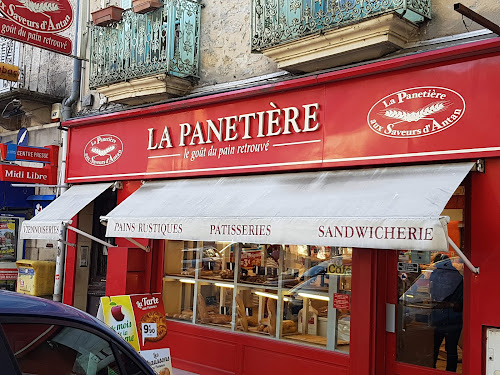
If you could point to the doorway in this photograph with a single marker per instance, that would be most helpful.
(99, 253)
(425, 292)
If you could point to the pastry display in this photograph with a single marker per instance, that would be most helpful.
(226, 274)
(188, 272)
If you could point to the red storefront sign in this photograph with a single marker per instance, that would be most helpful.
(37, 23)
(8, 274)
(341, 301)
(350, 117)
(28, 153)
(15, 173)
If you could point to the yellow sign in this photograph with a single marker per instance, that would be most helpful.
(119, 315)
(339, 269)
(9, 72)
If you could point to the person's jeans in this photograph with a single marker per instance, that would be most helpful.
(451, 334)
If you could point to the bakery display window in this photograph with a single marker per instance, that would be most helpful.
(295, 293)
(214, 304)
(317, 284)
(180, 293)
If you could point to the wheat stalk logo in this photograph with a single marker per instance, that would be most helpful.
(40, 7)
(414, 116)
(100, 152)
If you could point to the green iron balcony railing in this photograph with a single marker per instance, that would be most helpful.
(141, 45)
(276, 22)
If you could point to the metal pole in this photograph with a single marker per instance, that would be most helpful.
(463, 257)
(469, 13)
(60, 262)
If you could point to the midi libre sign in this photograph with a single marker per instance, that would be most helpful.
(46, 175)
(37, 23)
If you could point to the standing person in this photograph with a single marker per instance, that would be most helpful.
(273, 254)
(446, 289)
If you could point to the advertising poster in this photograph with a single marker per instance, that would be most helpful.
(140, 320)
(8, 240)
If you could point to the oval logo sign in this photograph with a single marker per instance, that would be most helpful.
(103, 150)
(45, 16)
(416, 112)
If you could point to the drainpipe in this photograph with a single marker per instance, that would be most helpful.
(66, 114)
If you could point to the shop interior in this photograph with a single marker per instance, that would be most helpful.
(288, 292)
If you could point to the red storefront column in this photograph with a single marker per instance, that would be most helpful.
(363, 312)
(481, 302)
(129, 268)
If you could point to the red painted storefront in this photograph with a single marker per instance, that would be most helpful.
(340, 127)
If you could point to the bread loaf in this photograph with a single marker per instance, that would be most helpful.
(252, 321)
(288, 326)
(220, 319)
(240, 309)
(202, 309)
(271, 313)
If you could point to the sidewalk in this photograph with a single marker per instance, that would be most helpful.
(177, 371)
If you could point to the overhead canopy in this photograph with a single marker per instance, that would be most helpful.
(387, 208)
(46, 225)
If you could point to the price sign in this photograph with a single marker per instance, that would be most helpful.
(408, 267)
(148, 330)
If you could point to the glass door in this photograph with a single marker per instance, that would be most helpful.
(425, 291)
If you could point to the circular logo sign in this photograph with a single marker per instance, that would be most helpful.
(45, 16)
(416, 112)
(103, 150)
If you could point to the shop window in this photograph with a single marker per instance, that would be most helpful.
(430, 305)
(296, 293)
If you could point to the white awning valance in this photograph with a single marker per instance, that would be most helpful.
(387, 208)
(47, 224)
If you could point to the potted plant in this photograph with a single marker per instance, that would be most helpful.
(144, 6)
(107, 15)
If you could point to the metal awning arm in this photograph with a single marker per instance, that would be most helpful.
(147, 249)
(463, 257)
(98, 240)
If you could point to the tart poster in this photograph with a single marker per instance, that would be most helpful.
(140, 320)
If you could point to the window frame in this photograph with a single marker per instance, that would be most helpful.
(112, 341)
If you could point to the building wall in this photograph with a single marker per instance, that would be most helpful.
(225, 44)
(225, 54)
(446, 21)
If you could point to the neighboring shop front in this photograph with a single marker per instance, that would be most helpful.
(301, 226)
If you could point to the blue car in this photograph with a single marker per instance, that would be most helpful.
(42, 337)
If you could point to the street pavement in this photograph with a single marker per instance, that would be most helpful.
(177, 371)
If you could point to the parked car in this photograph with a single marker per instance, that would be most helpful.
(42, 337)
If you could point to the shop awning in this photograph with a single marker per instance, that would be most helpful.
(386, 208)
(46, 225)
